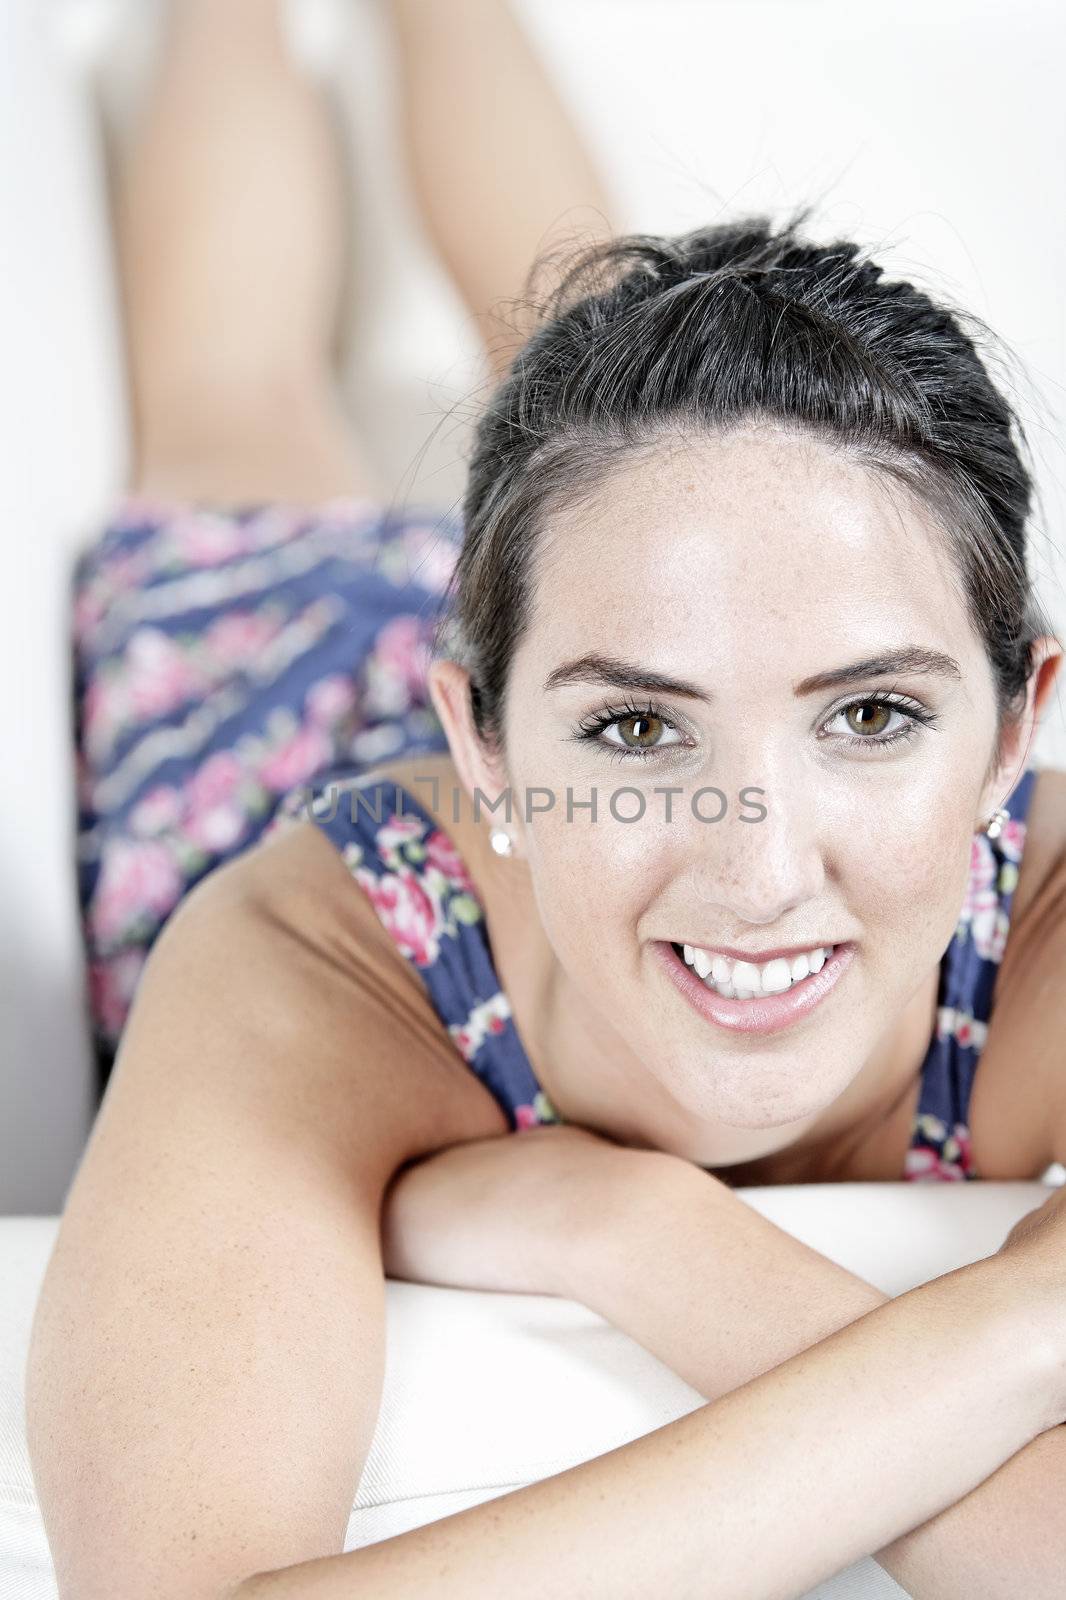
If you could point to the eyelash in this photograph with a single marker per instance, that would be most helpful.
(918, 716)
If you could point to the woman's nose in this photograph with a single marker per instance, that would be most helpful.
(761, 871)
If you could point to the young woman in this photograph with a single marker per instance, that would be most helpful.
(705, 850)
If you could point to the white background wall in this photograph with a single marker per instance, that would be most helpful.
(934, 129)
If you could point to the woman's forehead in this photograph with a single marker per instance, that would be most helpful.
(746, 534)
(755, 482)
(703, 540)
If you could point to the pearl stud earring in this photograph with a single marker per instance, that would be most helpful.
(501, 841)
(994, 825)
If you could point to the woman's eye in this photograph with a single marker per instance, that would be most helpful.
(879, 721)
(868, 716)
(630, 732)
(872, 723)
(641, 733)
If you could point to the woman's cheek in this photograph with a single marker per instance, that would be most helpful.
(915, 897)
(589, 881)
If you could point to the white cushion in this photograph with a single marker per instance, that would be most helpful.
(484, 1393)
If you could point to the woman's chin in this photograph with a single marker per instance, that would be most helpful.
(742, 1106)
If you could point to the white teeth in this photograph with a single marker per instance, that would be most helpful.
(776, 977)
(745, 976)
(743, 980)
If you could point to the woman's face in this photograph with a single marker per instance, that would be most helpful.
(742, 566)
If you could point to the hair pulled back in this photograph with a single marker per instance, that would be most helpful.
(646, 337)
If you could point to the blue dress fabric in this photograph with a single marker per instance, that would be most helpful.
(940, 1145)
(223, 658)
(408, 866)
(422, 893)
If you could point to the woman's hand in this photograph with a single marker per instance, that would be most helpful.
(506, 1213)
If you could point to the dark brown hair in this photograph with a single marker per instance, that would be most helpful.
(646, 337)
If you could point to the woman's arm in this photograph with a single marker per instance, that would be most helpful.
(205, 1364)
(764, 1492)
(721, 1294)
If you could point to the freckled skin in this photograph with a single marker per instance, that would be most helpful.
(743, 563)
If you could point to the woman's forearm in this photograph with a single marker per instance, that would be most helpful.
(720, 1294)
(762, 1493)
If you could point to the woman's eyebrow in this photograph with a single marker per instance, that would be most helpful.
(613, 672)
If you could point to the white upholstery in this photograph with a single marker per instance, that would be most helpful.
(485, 1393)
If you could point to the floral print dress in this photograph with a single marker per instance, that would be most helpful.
(940, 1143)
(223, 658)
(419, 886)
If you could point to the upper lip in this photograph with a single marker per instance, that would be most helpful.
(757, 957)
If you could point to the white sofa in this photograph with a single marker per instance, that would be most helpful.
(485, 1393)
(454, 1426)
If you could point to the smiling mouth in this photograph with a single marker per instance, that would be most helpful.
(746, 980)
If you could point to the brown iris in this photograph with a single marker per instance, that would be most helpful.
(654, 723)
(874, 711)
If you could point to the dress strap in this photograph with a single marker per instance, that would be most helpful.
(420, 888)
(941, 1145)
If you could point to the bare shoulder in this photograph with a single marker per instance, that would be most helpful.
(1019, 1095)
(1045, 840)
(284, 952)
(298, 885)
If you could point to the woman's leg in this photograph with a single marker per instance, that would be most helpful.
(496, 162)
(231, 245)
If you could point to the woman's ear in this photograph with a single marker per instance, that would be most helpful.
(1047, 657)
(449, 688)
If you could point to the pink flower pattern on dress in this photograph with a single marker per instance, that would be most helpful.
(981, 903)
(199, 729)
(159, 810)
(413, 918)
(203, 538)
(160, 675)
(214, 816)
(398, 665)
(233, 639)
(939, 1153)
(442, 854)
(395, 834)
(425, 898)
(536, 1112)
(331, 700)
(136, 880)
